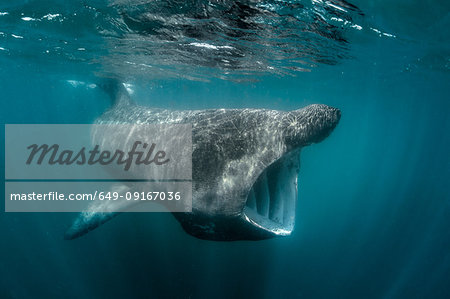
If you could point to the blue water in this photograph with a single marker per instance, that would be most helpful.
(373, 212)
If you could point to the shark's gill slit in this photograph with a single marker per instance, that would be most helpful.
(276, 198)
(251, 202)
(272, 199)
(261, 190)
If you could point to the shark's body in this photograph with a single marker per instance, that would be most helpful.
(245, 164)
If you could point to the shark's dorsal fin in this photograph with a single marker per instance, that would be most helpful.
(116, 91)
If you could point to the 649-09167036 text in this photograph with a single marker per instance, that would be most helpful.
(102, 195)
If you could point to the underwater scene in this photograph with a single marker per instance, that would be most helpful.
(320, 157)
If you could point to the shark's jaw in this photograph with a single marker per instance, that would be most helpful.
(268, 209)
(271, 202)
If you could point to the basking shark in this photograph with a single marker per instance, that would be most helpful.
(245, 164)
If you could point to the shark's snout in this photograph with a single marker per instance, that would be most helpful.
(309, 125)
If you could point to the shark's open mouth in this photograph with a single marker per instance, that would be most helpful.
(272, 199)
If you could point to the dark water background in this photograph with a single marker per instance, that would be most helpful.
(373, 214)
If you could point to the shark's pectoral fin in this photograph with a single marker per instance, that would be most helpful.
(98, 213)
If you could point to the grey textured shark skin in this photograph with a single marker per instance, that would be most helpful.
(245, 165)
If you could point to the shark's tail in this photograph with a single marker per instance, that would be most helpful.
(116, 90)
